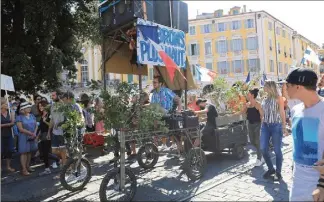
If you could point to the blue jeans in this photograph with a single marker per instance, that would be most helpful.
(274, 131)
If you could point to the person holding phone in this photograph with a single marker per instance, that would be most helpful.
(308, 134)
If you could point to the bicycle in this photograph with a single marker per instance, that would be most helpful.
(77, 165)
(126, 184)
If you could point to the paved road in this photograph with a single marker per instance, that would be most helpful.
(233, 180)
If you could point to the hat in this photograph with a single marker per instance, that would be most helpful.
(68, 95)
(25, 105)
(302, 77)
(200, 100)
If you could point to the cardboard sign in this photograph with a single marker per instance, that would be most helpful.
(7, 83)
(152, 39)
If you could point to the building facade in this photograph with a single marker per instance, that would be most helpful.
(239, 42)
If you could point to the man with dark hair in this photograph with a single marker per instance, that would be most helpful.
(308, 133)
(164, 96)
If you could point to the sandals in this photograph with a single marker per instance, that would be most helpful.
(30, 170)
(25, 173)
(11, 169)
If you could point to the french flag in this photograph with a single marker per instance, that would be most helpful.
(170, 65)
(204, 74)
(248, 78)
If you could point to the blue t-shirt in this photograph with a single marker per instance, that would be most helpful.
(308, 148)
(164, 97)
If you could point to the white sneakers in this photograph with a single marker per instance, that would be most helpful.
(54, 165)
(45, 172)
(259, 162)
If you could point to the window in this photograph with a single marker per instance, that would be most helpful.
(278, 47)
(249, 23)
(194, 49)
(144, 78)
(235, 12)
(84, 72)
(290, 55)
(130, 78)
(286, 68)
(280, 67)
(192, 30)
(237, 44)
(206, 29)
(288, 36)
(219, 14)
(271, 66)
(283, 33)
(238, 66)
(221, 27)
(208, 48)
(221, 46)
(253, 65)
(209, 65)
(270, 26)
(270, 44)
(151, 74)
(252, 43)
(236, 25)
(278, 30)
(222, 67)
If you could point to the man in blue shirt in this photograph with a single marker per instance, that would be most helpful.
(164, 96)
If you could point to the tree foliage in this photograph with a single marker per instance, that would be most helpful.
(41, 38)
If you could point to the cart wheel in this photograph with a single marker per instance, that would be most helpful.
(195, 164)
(147, 156)
(238, 151)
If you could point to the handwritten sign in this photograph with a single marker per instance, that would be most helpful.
(171, 41)
(7, 83)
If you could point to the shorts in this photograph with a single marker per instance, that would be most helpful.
(58, 141)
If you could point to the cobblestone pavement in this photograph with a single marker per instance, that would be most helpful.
(233, 180)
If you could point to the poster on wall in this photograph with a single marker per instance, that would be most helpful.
(156, 44)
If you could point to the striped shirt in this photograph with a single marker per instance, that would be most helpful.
(271, 111)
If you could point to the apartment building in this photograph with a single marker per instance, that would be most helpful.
(300, 45)
(239, 42)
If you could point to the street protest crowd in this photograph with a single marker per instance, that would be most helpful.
(289, 106)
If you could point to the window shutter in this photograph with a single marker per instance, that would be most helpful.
(242, 66)
(245, 24)
(256, 43)
(246, 44)
(216, 27)
(239, 24)
(230, 45)
(216, 46)
(232, 67)
(226, 48)
(198, 49)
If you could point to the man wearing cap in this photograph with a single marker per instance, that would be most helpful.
(211, 112)
(307, 131)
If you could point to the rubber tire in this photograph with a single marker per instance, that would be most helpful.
(187, 163)
(64, 169)
(155, 157)
(238, 152)
(110, 175)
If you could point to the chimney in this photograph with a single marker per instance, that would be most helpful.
(244, 8)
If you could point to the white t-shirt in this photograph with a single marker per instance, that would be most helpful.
(308, 147)
(292, 103)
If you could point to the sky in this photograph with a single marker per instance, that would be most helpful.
(306, 17)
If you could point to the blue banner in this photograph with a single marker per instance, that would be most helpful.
(154, 39)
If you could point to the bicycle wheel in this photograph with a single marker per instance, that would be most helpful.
(110, 186)
(75, 177)
(147, 156)
(195, 164)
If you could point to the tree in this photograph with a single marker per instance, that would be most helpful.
(40, 39)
